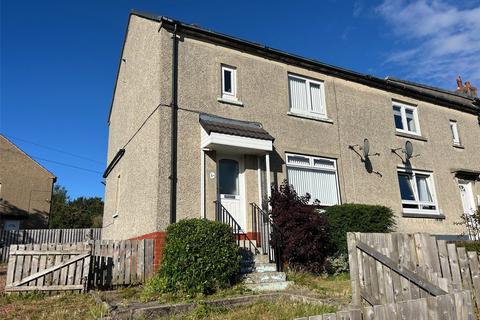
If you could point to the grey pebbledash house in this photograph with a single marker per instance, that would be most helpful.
(202, 124)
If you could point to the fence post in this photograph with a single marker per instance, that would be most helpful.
(354, 276)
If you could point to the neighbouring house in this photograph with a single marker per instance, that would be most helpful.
(25, 189)
(198, 117)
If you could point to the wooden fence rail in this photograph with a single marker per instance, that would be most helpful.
(48, 267)
(397, 267)
(78, 266)
(452, 306)
(117, 263)
(39, 236)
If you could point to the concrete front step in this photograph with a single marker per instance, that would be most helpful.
(265, 277)
(265, 267)
(261, 258)
(269, 286)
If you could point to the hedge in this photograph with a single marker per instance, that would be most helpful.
(352, 217)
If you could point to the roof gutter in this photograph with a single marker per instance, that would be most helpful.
(288, 58)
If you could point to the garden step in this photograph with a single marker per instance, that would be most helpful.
(261, 258)
(265, 267)
(265, 277)
(269, 286)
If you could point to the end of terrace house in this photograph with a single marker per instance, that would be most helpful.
(203, 124)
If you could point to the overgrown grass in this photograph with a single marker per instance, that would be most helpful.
(325, 287)
(151, 295)
(278, 310)
(34, 306)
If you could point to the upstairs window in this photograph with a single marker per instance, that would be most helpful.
(307, 97)
(417, 191)
(315, 176)
(406, 118)
(454, 130)
(229, 83)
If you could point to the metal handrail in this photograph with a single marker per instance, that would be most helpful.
(222, 215)
(263, 226)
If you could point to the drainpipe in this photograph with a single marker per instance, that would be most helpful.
(174, 136)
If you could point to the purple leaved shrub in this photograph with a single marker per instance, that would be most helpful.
(302, 234)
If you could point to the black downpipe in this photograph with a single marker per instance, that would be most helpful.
(173, 151)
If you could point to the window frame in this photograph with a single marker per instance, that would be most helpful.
(233, 71)
(403, 114)
(413, 183)
(311, 113)
(455, 133)
(311, 166)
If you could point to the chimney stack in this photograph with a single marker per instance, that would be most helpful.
(466, 89)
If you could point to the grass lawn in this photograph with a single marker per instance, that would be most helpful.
(278, 310)
(335, 289)
(38, 306)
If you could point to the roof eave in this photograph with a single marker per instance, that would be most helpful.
(282, 56)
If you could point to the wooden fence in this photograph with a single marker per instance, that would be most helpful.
(48, 267)
(452, 306)
(78, 266)
(39, 236)
(117, 263)
(397, 267)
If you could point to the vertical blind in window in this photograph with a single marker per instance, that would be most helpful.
(298, 95)
(306, 96)
(315, 176)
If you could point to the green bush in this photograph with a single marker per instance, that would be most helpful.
(353, 217)
(469, 245)
(199, 257)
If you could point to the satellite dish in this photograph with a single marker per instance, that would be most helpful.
(408, 149)
(366, 147)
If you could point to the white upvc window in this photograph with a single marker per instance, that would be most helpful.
(229, 83)
(315, 176)
(406, 118)
(307, 97)
(417, 191)
(454, 130)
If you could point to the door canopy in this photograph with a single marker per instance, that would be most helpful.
(229, 135)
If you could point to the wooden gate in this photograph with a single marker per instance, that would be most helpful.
(397, 267)
(48, 267)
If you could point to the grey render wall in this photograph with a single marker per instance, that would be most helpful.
(134, 125)
(26, 188)
(357, 112)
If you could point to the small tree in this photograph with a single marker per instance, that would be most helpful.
(82, 212)
(303, 233)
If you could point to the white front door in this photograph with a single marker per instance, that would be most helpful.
(466, 194)
(231, 187)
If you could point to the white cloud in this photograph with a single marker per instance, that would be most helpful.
(357, 8)
(439, 40)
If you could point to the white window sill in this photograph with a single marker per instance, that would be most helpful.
(311, 117)
(411, 135)
(423, 215)
(230, 101)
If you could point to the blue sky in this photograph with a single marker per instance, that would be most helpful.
(59, 59)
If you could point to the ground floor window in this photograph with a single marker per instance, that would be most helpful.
(314, 175)
(417, 191)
